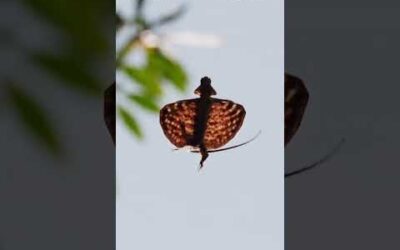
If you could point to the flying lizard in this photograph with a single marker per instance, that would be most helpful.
(204, 123)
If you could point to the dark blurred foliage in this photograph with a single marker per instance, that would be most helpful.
(148, 79)
(72, 64)
(80, 26)
(33, 116)
(296, 99)
(109, 110)
(57, 167)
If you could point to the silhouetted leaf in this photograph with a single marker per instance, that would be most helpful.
(34, 117)
(174, 15)
(69, 70)
(119, 21)
(171, 70)
(146, 77)
(140, 21)
(130, 122)
(145, 102)
(139, 6)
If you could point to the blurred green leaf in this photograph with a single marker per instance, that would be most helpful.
(141, 23)
(158, 69)
(146, 77)
(146, 102)
(171, 70)
(73, 73)
(130, 122)
(78, 19)
(34, 117)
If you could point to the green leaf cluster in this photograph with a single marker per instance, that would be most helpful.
(151, 78)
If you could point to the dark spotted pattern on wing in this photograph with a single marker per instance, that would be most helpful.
(296, 98)
(177, 121)
(224, 121)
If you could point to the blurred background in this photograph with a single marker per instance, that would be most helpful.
(57, 164)
(57, 167)
(346, 52)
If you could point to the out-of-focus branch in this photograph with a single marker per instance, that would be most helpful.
(149, 78)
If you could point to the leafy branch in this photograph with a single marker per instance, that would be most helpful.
(149, 79)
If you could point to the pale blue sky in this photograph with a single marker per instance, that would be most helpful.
(236, 202)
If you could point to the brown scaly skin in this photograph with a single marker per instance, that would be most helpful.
(205, 90)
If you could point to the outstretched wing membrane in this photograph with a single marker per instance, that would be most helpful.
(224, 121)
(177, 121)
